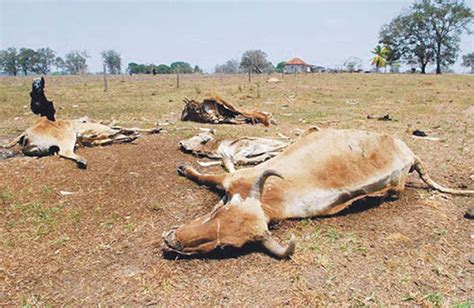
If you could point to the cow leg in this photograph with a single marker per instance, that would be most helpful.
(33, 150)
(14, 142)
(202, 179)
(113, 139)
(66, 150)
(134, 130)
(121, 138)
(258, 159)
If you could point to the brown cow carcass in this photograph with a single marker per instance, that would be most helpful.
(216, 110)
(322, 173)
(61, 137)
(232, 151)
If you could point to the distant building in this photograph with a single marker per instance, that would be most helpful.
(318, 69)
(296, 65)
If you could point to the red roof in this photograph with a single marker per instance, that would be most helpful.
(297, 61)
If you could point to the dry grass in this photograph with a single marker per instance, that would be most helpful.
(101, 245)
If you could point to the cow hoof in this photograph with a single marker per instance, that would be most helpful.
(82, 164)
(182, 169)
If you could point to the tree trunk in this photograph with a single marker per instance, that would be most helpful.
(423, 68)
(438, 58)
(250, 72)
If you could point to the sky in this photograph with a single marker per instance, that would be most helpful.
(203, 33)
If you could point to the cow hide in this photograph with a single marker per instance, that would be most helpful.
(216, 110)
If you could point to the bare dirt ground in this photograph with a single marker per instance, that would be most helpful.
(101, 244)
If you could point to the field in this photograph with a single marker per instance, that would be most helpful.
(101, 245)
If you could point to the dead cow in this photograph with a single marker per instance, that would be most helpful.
(322, 173)
(216, 110)
(240, 151)
(61, 136)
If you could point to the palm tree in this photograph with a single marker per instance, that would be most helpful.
(380, 59)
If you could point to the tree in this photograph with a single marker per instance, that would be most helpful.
(269, 69)
(44, 59)
(391, 36)
(184, 68)
(112, 61)
(280, 68)
(26, 60)
(380, 58)
(75, 62)
(163, 69)
(468, 61)
(9, 61)
(448, 19)
(353, 64)
(135, 68)
(394, 36)
(254, 61)
(230, 67)
(59, 63)
(408, 36)
(197, 70)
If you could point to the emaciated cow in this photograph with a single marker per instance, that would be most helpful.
(50, 137)
(238, 151)
(322, 173)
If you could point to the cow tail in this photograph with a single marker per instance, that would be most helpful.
(14, 142)
(423, 172)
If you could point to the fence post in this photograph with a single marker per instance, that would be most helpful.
(177, 76)
(105, 79)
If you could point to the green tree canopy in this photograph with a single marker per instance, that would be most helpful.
(112, 61)
(44, 59)
(9, 61)
(26, 60)
(254, 61)
(468, 61)
(163, 69)
(75, 62)
(408, 36)
(280, 68)
(448, 20)
(428, 32)
(184, 67)
(135, 68)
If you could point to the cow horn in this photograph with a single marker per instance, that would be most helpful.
(276, 249)
(257, 187)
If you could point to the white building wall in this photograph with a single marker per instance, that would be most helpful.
(291, 68)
